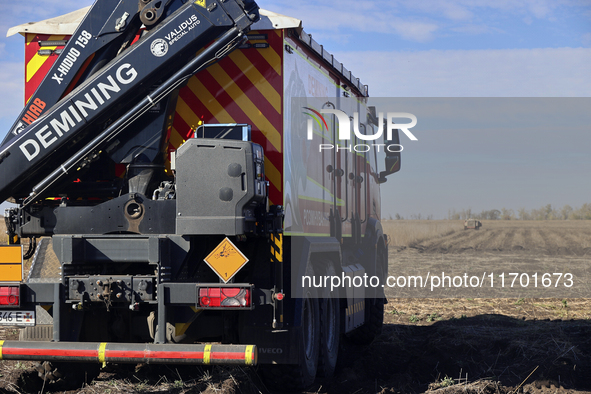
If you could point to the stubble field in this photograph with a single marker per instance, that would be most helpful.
(490, 344)
(514, 344)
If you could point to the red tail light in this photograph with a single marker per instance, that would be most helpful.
(10, 295)
(224, 297)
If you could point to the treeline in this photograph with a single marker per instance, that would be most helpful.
(411, 217)
(546, 212)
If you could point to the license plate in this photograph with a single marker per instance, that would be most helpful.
(17, 318)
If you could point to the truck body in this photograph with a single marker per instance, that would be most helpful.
(173, 201)
(472, 224)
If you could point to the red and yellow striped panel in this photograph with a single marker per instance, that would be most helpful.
(37, 66)
(244, 87)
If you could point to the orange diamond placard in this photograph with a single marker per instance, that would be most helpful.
(226, 260)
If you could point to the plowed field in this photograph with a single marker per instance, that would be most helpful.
(569, 238)
(439, 345)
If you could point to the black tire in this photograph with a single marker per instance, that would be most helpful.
(374, 308)
(329, 329)
(292, 377)
(374, 320)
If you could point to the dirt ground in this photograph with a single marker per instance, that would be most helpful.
(509, 259)
(554, 237)
(515, 344)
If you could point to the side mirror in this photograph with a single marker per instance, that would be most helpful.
(392, 159)
(372, 116)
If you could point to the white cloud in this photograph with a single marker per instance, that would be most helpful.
(560, 72)
(51, 8)
(476, 29)
(364, 16)
(540, 8)
(453, 10)
(415, 31)
(536, 8)
(20, 12)
(416, 20)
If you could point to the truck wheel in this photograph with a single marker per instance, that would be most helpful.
(310, 343)
(299, 376)
(329, 329)
(374, 319)
(374, 310)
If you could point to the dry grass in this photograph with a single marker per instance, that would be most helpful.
(431, 310)
(21, 377)
(484, 345)
(3, 236)
(173, 379)
(409, 232)
(494, 234)
(472, 346)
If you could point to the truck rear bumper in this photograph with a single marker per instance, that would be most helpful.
(133, 353)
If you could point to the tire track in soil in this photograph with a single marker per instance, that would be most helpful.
(488, 240)
(585, 232)
(550, 241)
(438, 244)
(582, 239)
(585, 240)
(569, 243)
(550, 246)
(519, 240)
(527, 240)
(480, 239)
(461, 242)
(507, 242)
(538, 242)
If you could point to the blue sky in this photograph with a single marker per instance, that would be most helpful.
(406, 25)
(430, 48)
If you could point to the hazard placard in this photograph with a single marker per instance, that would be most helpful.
(200, 3)
(226, 260)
